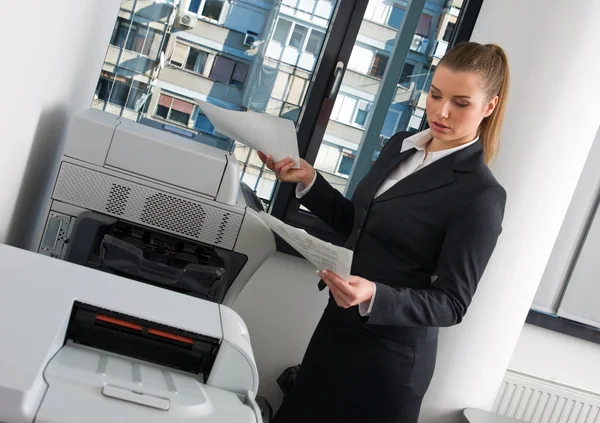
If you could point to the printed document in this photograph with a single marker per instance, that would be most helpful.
(260, 131)
(323, 255)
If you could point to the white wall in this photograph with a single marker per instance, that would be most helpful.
(557, 357)
(53, 54)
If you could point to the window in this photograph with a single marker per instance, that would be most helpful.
(209, 9)
(229, 72)
(282, 30)
(288, 81)
(424, 25)
(346, 163)
(121, 91)
(379, 65)
(314, 42)
(361, 113)
(212, 9)
(135, 37)
(298, 36)
(174, 109)
(196, 60)
(405, 76)
(396, 16)
(449, 30)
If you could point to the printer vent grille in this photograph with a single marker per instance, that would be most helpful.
(117, 199)
(174, 214)
(145, 205)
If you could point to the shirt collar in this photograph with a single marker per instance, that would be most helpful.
(421, 139)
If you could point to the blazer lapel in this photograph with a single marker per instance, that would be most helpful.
(378, 174)
(437, 174)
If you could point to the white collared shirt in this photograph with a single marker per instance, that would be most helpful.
(414, 163)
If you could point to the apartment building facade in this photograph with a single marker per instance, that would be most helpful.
(260, 55)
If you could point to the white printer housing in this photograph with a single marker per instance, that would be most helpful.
(156, 207)
(63, 358)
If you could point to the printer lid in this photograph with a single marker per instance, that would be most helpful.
(104, 140)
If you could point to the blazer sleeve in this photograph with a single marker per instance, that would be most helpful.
(466, 250)
(329, 205)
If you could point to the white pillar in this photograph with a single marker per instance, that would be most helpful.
(552, 117)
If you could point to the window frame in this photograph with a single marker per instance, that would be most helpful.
(200, 10)
(284, 204)
(305, 38)
(168, 119)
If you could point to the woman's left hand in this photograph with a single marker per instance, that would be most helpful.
(348, 293)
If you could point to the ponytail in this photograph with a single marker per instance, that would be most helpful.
(491, 63)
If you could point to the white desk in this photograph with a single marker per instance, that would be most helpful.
(474, 415)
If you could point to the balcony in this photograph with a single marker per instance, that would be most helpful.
(201, 85)
(217, 34)
(146, 9)
(130, 60)
(383, 35)
(345, 132)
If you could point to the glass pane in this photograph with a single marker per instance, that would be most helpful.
(314, 42)
(212, 9)
(297, 38)
(396, 15)
(282, 30)
(362, 80)
(242, 63)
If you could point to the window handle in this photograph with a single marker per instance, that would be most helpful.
(338, 74)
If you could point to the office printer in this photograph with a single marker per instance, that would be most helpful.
(154, 207)
(80, 345)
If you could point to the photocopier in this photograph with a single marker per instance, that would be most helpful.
(155, 207)
(120, 313)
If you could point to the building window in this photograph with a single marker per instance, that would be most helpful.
(298, 36)
(174, 109)
(379, 65)
(449, 31)
(196, 60)
(361, 113)
(314, 42)
(406, 75)
(282, 30)
(396, 16)
(228, 71)
(346, 162)
(190, 58)
(209, 9)
(134, 37)
(302, 38)
(121, 91)
(424, 25)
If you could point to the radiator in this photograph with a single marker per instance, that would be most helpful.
(537, 400)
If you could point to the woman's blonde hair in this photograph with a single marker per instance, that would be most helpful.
(491, 63)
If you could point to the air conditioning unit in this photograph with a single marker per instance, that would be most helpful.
(419, 44)
(188, 20)
(251, 39)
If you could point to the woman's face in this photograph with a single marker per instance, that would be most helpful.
(456, 105)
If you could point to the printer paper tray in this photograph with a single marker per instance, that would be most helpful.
(92, 386)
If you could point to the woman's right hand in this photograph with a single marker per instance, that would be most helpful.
(285, 172)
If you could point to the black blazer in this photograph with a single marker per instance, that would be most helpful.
(426, 241)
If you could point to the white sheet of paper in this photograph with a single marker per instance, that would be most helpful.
(323, 255)
(260, 131)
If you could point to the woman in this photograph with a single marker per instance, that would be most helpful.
(423, 224)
